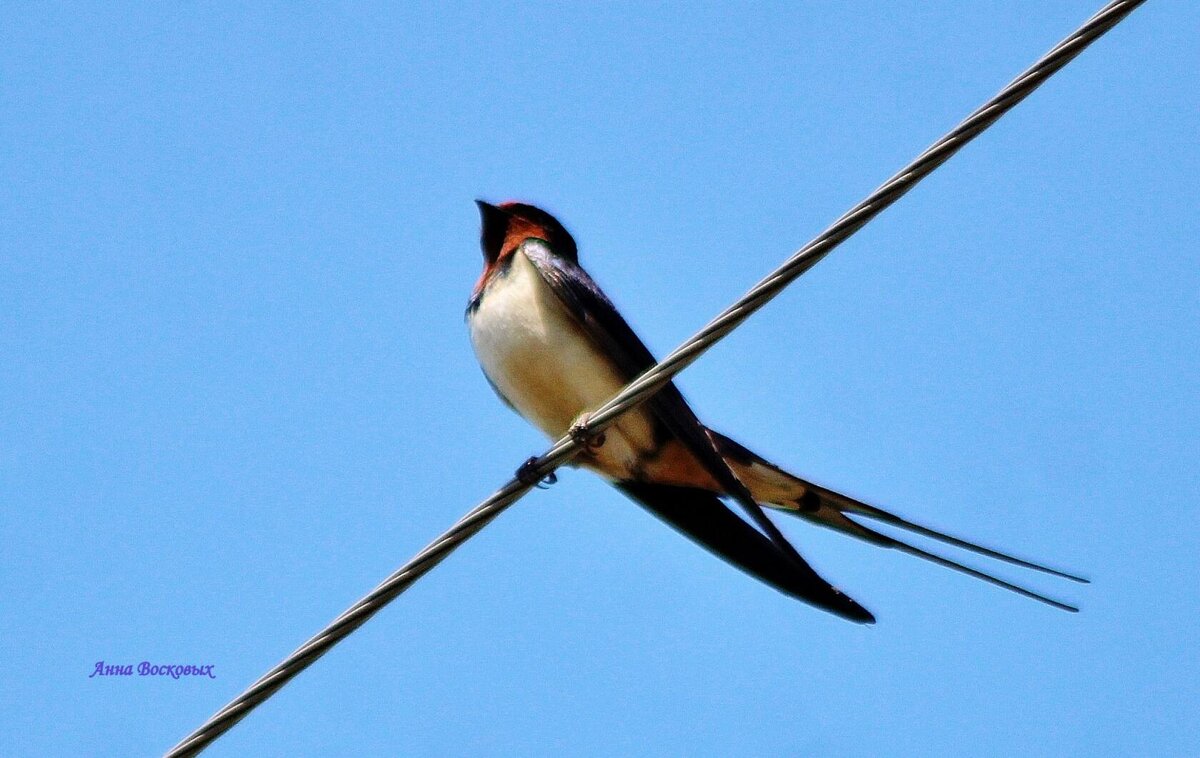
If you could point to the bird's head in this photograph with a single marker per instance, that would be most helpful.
(505, 226)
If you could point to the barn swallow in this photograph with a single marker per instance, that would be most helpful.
(553, 347)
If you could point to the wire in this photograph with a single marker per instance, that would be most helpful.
(640, 389)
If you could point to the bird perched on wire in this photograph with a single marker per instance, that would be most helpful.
(553, 347)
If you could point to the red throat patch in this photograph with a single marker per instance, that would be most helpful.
(519, 230)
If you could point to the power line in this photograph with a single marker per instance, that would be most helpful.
(642, 388)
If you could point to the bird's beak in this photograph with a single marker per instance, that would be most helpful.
(493, 229)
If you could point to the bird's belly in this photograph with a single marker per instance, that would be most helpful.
(543, 364)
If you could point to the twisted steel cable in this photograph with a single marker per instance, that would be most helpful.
(642, 388)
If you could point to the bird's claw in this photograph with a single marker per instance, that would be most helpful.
(527, 475)
(588, 440)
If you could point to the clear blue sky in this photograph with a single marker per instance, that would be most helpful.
(236, 388)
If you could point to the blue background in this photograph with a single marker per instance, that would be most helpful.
(237, 390)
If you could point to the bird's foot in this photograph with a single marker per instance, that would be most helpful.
(589, 441)
(527, 475)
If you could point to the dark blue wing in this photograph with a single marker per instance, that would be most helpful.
(696, 513)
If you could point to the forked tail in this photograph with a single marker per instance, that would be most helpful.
(777, 488)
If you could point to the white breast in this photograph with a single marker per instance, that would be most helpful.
(532, 350)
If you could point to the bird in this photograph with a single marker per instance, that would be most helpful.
(553, 346)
